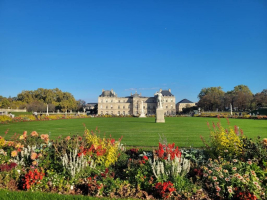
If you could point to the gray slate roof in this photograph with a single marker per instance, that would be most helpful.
(185, 101)
(107, 93)
(166, 93)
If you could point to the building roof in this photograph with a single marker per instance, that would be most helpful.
(166, 93)
(90, 104)
(185, 101)
(108, 93)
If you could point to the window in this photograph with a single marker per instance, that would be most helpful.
(123, 107)
(101, 106)
(171, 100)
(144, 107)
(112, 112)
(148, 107)
(128, 112)
(101, 112)
(119, 107)
(119, 101)
(106, 100)
(106, 107)
(119, 112)
(101, 100)
(128, 106)
(111, 106)
(111, 100)
(124, 101)
(123, 112)
(166, 107)
(166, 100)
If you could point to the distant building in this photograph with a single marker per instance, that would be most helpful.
(91, 108)
(110, 103)
(185, 103)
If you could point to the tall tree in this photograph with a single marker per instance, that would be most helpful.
(211, 98)
(242, 97)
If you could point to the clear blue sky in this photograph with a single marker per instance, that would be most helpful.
(83, 47)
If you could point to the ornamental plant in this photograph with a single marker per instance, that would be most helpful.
(165, 189)
(32, 178)
(226, 178)
(102, 150)
(168, 163)
(224, 142)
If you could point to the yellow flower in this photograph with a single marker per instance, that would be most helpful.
(14, 153)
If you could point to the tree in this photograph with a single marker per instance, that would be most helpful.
(242, 97)
(260, 99)
(80, 104)
(211, 98)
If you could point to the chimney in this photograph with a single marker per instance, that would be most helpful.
(103, 90)
(140, 94)
(160, 90)
(111, 90)
(131, 94)
(169, 89)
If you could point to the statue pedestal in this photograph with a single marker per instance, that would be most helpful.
(160, 115)
(142, 115)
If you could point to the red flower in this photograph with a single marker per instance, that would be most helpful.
(145, 158)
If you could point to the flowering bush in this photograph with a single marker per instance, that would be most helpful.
(168, 164)
(165, 189)
(32, 178)
(225, 142)
(227, 178)
(103, 151)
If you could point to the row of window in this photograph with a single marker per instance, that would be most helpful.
(111, 107)
(129, 100)
(128, 113)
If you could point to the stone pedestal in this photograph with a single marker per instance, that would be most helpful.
(160, 115)
(142, 115)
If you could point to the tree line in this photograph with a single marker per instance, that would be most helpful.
(37, 100)
(241, 99)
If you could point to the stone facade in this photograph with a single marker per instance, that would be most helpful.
(185, 103)
(110, 103)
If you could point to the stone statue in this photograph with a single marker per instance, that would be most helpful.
(159, 99)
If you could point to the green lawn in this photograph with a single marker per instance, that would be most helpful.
(183, 131)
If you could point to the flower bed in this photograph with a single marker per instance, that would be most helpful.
(230, 166)
(25, 118)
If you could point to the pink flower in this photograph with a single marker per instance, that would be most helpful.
(214, 178)
(234, 168)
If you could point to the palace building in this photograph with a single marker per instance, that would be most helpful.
(109, 103)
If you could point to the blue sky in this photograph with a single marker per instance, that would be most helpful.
(83, 47)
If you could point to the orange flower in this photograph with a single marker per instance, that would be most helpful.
(18, 146)
(33, 155)
(34, 162)
(265, 141)
(34, 133)
(40, 155)
(67, 138)
(44, 136)
(21, 137)
(25, 134)
(10, 143)
(46, 140)
(14, 153)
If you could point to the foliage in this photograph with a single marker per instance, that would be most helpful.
(226, 178)
(224, 142)
(103, 150)
(165, 189)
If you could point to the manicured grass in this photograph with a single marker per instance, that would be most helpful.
(183, 131)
